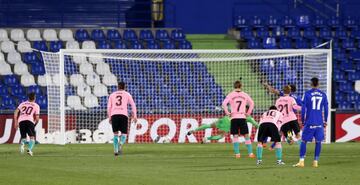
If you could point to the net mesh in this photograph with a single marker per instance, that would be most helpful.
(175, 91)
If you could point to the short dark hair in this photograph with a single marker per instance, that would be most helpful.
(31, 96)
(315, 82)
(237, 84)
(121, 85)
(293, 88)
(272, 107)
(287, 89)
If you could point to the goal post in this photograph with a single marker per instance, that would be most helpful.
(174, 90)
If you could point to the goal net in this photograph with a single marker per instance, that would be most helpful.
(175, 90)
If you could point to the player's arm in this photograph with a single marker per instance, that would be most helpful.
(133, 108)
(326, 110)
(251, 106)
(109, 104)
(16, 114)
(224, 106)
(271, 89)
(37, 115)
(303, 108)
(295, 105)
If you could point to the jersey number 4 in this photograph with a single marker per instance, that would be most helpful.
(316, 102)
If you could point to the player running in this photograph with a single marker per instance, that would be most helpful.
(315, 102)
(223, 125)
(286, 104)
(238, 101)
(26, 116)
(270, 122)
(117, 109)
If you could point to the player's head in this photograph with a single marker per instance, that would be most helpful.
(293, 88)
(121, 86)
(237, 84)
(31, 97)
(287, 89)
(315, 82)
(272, 107)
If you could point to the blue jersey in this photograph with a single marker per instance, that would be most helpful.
(297, 99)
(314, 103)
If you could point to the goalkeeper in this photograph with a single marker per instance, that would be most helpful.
(223, 125)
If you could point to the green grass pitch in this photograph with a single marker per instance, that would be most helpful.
(174, 164)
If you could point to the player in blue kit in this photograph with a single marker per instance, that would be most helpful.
(314, 103)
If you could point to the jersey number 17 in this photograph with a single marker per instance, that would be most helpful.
(316, 102)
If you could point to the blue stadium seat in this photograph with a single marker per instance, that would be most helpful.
(309, 33)
(269, 43)
(303, 21)
(319, 22)
(348, 44)
(162, 35)
(136, 45)
(55, 46)
(146, 35)
(21, 99)
(97, 35)
(350, 22)
(8, 103)
(113, 34)
(353, 75)
(31, 58)
(41, 101)
(333, 22)
(256, 22)
(282, 65)
(339, 75)
(325, 33)
(344, 105)
(17, 91)
(294, 33)
(336, 44)
(278, 32)
(288, 22)
(285, 43)
(254, 44)
(177, 35)
(246, 33)
(152, 44)
(354, 55)
(315, 42)
(4, 90)
(340, 33)
(345, 86)
(119, 45)
(37, 69)
(267, 65)
(184, 44)
(81, 35)
(34, 89)
(103, 44)
(11, 80)
(347, 66)
(262, 32)
(339, 96)
(340, 55)
(129, 35)
(240, 22)
(272, 22)
(301, 43)
(355, 33)
(40, 45)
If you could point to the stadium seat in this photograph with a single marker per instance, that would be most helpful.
(113, 34)
(3, 90)
(34, 89)
(97, 35)
(96, 58)
(72, 45)
(169, 45)
(348, 44)
(41, 45)
(86, 68)
(177, 35)
(344, 105)
(347, 66)
(92, 79)
(136, 45)
(282, 65)
(56, 79)
(353, 75)
(162, 35)
(319, 22)
(285, 43)
(5, 68)
(79, 59)
(2, 57)
(100, 90)
(7, 46)
(17, 35)
(81, 35)
(10, 80)
(278, 32)
(269, 43)
(262, 32)
(109, 80)
(74, 102)
(340, 33)
(83, 90)
(272, 22)
(17, 91)
(346, 86)
(325, 33)
(355, 33)
(33, 35)
(315, 42)
(339, 55)
(256, 22)
(152, 44)
(91, 101)
(336, 44)
(240, 22)
(350, 22)
(246, 33)
(55, 46)
(287, 22)
(333, 22)
(8, 103)
(303, 21)
(43, 80)
(253, 44)
(309, 33)
(129, 35)
(50, 35)
(102, 68)
(66, 35)
(30, 58)
(41, 101)
(184, 45)
(354, 55)
(301, 44)
(27, 80)
(3, 35)
(146, 35)
(119, 45)
(89, 44)
(21, 69)
(104, 45)
(37, 69)
(294, 33)
(76, 80)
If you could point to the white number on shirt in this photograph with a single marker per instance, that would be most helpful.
(316, 102)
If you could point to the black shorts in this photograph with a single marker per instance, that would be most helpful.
(292, 126)
(26, 127)
(237, 124)
(119, 123)
(268, 130)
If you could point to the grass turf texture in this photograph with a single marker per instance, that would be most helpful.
(174, 164)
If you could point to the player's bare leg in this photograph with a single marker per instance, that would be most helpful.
(249, 146)
(116, 143)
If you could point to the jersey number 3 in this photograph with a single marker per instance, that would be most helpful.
(119, 102)
(316, 102)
